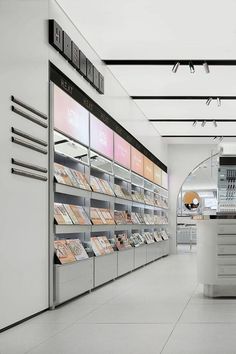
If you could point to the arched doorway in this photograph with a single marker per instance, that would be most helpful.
(197, 195)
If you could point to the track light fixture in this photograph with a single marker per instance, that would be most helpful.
(215, 138)
(203, 123)
(218, 102)
(208, 101)
(221, 138)
(194, 123)
(191, 67)
(175, 67)
(206, 67)
(215, 124)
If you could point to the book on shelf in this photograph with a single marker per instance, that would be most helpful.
(118, 191)
(148, 237)
(61, 175)
(101, 245)
(81, 180)
(95, 185)
(121, 192)
(60, 215)
(95, 217)
(63, 252)
(157, 236)
(149, 199)
(164, 235)
(106, 187)
(101, 216)
(77, 214)
(122, 217)
(134, 241)
(122, 241)
(77, 249)
(100, 185)
(134, 218)
(107, 216)
(70, 177)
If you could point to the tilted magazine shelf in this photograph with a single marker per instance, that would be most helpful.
(93, 181)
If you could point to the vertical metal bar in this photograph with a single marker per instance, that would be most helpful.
(51, 199)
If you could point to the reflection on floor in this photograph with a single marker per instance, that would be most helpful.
(186, 248)
(156, 309)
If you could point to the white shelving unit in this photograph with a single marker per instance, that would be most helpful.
(73, 279)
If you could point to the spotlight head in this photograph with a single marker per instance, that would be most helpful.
(175, 67)
(203, 123)
(215, 124)
(215, 138)
(208, 101)
(221, 138)
(195, 123)
(191, 67)
(206, 67)
(218, 102)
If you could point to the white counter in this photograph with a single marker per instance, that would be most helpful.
(216, 256)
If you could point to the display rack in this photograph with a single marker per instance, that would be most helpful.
(73, 279)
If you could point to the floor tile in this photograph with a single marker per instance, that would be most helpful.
(26, 336)
(209, 313)
(107, 339)
(202, 339)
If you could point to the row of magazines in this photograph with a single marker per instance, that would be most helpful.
(72, 250)
(75, 178)
(68, 214)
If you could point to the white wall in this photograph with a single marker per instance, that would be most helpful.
(115, 101)
(182, 159)
(24, 201)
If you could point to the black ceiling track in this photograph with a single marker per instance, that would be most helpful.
(213, 62)
(191, 120)
(198, 136)
(182, 97)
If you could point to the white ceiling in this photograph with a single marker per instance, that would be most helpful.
(157, 29)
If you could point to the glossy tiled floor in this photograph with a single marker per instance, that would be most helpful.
(156, 309)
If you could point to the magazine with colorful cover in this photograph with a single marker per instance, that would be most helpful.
(77, 249)
(95, 217)
(134, 241)
(106, 187)
(77, 214)
(63, 252)
(97, 247)
(122, 241)
(127, 195)
(134, 218)
(95, 184)
(107, 216)
(61, 175)
(120, 217)
(72, 177)
(60, 215)
(157, 236)
(118, 191)
(105, 244)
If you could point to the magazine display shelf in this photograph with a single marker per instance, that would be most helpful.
(125, 261)
(73, 279)
(70, 280)
(105, 268)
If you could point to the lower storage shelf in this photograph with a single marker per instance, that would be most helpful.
(105, 268)
(125, 261)
(72, 279)
(140, 256)
(151, 252)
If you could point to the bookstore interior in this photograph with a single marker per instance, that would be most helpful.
(97, 191)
